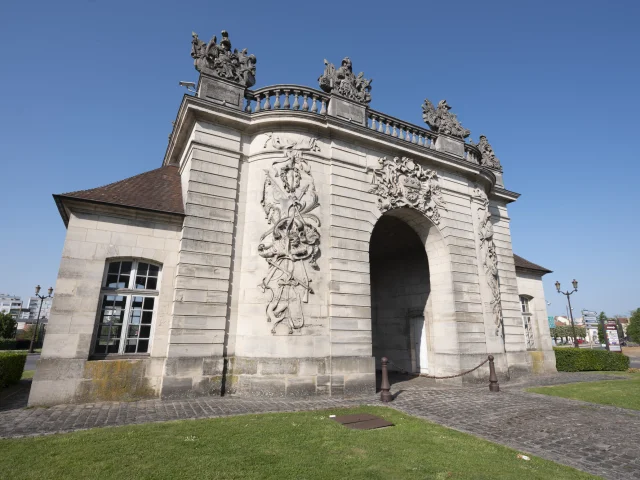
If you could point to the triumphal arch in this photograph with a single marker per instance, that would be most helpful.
(291, 237)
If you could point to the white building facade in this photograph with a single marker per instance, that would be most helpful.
(291, 237)
(11, 304)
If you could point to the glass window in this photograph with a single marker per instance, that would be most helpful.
(524, 303)
(126, 319)
(527, 323)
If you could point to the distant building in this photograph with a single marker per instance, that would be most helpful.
(624, 323)
(34, 308)
(559, 321)
(10, 304)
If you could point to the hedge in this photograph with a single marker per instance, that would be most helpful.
(11, 367)
(586, 360)
(13, 344)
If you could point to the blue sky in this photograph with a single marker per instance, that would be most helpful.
(89, 89)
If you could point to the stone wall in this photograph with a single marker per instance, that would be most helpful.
(201, 309)
(530, 284)
(94, 236)
(212, 335)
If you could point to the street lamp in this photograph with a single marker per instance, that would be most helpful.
(568, 294)
(35, 330)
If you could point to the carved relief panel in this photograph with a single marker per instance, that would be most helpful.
(489, 256)
(401, 182)
(292, 243)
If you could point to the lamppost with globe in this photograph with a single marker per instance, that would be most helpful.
(568, 294)
(35, 330)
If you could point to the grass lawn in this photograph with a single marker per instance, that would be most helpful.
(619, 393)
(27, 374)
(305, 445)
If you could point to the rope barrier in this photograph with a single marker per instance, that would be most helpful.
(385, 393)
(402, 370)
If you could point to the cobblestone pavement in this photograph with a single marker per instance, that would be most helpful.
(594, 438)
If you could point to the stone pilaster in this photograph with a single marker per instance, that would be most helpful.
(201, 304)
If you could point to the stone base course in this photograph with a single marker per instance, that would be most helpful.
(597, 439)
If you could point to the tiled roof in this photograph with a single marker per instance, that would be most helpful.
(157, 190)
(522, 263)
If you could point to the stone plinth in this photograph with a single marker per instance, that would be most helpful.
(221, 92)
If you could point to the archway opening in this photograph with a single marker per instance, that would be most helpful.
(400, 290)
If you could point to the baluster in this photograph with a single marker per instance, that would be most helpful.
(373, 122)
(305, 104)
(267, 100)
(276, 104)
(314, 104)
(323, 106)
(296, 104)
(257, 109)
(393, 127)
(414, 138)
(381, 124)
(286, 105)
(248, 107)
(388, 129)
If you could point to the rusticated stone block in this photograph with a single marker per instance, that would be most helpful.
(345, 365)
(115, 380)
(176, 387)
(268, 386)
(183, 366)
(279, 366)
(209, 385)
(359, 384)
(243, 366)
(213, 366)
(301, 386)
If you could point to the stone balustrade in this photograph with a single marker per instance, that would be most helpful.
(286, 97)
(471, 153)
(305, 99)
(402, 130)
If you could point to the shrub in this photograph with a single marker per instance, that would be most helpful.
(13, 344)
(11, 367)
(586, 360)
(8, 326)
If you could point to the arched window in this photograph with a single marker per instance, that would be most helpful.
(128, 300)
(527, 321)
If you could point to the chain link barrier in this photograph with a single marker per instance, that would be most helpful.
(402, 370)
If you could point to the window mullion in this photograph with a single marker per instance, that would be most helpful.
(125, 324)
(134, 273)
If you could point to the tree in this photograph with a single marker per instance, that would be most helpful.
(7, 326)
(25, 334)
(565, 331)
(602, 319)
(633, 330)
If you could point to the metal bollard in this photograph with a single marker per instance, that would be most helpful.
(385, 394)
(493, 378)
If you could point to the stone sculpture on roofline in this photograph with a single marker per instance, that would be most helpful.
(218, 60)
(440, 120)
(343, 82)
(488, 157)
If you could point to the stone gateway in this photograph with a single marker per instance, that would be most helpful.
(291, 238)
